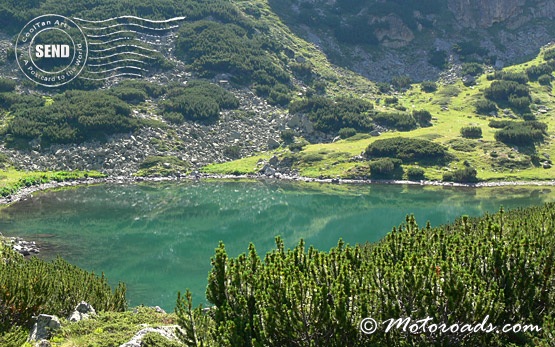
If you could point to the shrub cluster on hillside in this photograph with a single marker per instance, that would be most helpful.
(408, 150)
(332, 115)
(471, 132)
(510, 93)
(496, 269)
(198, 100)
(30, 287)
(211, 48)
(73, 116)
(399, 121)
(525, 133)
(465, 175)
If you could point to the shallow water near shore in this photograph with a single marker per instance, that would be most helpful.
(158, 237)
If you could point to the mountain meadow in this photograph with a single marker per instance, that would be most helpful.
(446, 93)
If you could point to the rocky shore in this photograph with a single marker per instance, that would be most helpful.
(25, 248)
(28, 191)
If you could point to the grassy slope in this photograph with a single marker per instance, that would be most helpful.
(451, 111)
(11, 179)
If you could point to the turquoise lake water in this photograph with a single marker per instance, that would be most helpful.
(158, 237)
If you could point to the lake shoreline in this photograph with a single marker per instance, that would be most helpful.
(28, 191)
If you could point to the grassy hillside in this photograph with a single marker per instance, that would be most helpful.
(452, 107)
(253, 46)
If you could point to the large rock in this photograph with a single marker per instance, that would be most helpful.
(82, 311)
(44, 327)
(166, 331)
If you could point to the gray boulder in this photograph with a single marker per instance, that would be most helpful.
(44, 327)
(82, 311)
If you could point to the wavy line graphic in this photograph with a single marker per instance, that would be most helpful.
(121, 32)
(117, 62)
(175, 19)
(121, 53)
(112, 76)
(118, 68)
(121, 46)
(134, 25)
(136, 36)
(113, 40)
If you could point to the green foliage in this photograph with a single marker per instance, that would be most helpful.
(549, 54)
(232, 152)
(156, 340)
(401, 82)
(514, 94)
(297, 146)
(7, 85)
(211, 48)
(345, 133)
(30, 287)
(385, 168)
(471, 132)
(423, 117)
(391, 100)
(502, 90)
(525, 133)
(198, 100)
(534, 72)
(408, 150)
(438, 59)
(462, 145)
(519, 77)
(155, 165)
(173, 117)
(152, 90)
(16, 336)
(288, 136)
(399, 121)
(330, 116)
(197, 327)
(500, 124)
(498, 266)
(312, 157)
(545, 80)
(109, 329)
(472, 69)
(465, 175)
(415, 173)
(428, 86)
(36, 179)
(129, 95)
(468, 50)
(383, 87)
(74, 116)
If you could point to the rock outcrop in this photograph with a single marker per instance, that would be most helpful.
(44, 327)
(82, 311)
(485, 13)
(166, 331)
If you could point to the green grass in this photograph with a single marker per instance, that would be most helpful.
(451, 108)
(109, 329)
(11, 180)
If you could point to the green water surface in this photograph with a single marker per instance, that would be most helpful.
(158, 237)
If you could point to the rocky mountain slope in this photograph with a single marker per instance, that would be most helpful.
(273, 56)
(383, 39)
